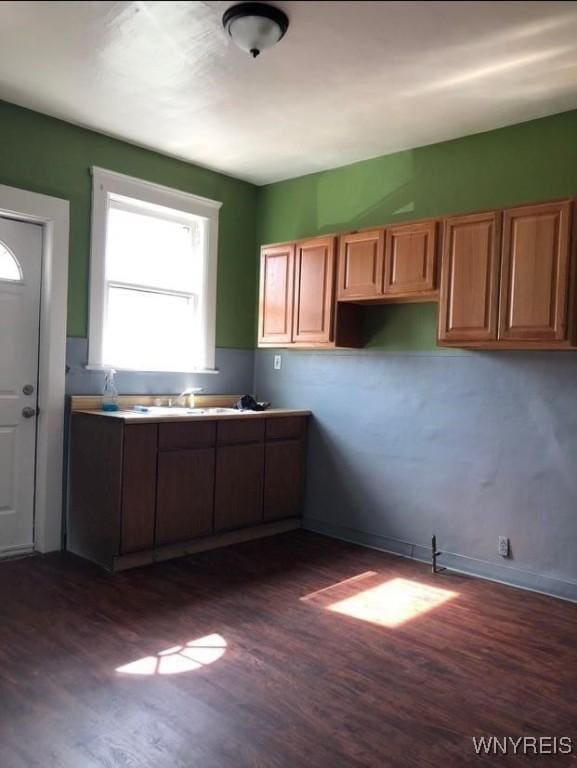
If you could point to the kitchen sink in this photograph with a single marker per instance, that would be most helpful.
(163, 410)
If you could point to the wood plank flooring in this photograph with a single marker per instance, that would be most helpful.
(299, 683)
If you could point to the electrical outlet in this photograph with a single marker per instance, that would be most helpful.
(277, 362)
(503, 546)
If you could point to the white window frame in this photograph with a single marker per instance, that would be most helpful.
(108, 186)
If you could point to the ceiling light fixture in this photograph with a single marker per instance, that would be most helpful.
(255, 26)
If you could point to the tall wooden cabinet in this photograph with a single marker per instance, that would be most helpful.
(507, 279)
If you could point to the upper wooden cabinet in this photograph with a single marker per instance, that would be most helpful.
(513, 291)
(361, 263)
(397, 263)
(469, 278)
(410, 259)
(535, 272)
(297, 304)
(507, 280)
(314, 291)
(276, 294)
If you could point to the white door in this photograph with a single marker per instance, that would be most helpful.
(20, 270)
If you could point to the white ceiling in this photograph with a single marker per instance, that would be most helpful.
(350, 80)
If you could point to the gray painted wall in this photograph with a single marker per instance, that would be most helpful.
(235, 375)
(469, 446)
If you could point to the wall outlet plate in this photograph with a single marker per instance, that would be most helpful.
(504, 546)
(277, 362)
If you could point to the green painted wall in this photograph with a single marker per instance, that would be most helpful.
(523, 163)
(49, 156)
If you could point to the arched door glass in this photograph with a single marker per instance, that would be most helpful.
(10, 269)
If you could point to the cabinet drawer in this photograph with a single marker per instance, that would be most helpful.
(187, 434)
(239, 431)
(285, 427)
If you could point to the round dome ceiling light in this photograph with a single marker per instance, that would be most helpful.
(254, 27)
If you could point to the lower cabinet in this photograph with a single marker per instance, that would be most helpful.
(184, 495)
(142, 491)
(284, 461)
(138, 487)
(284, 479)
(239, 485)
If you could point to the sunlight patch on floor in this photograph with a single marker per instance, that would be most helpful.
(181, 658)
(392, 603)
(388, 603)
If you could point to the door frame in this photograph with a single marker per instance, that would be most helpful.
(53, 214)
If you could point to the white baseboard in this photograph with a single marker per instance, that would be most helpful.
(482, 569)
(19, 550)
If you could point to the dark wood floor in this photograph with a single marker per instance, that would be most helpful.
(298, 684)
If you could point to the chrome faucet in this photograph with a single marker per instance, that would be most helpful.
(173, 403)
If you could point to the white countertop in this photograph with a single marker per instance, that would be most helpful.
(152, 417)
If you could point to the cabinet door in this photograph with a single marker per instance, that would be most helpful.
(360, 272)
(410, 259)
(185, 498)
(276, 294)
(239, 486)
(535, 272)
(138, 487)
(314, 291)
(469, 278)
(284, 479)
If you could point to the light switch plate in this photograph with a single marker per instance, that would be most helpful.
(277, 362)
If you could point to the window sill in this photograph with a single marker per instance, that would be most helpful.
(104, 368)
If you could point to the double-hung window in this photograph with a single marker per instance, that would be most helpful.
(152, 276)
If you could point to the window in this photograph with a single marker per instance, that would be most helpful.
(152, 276)
(9, 267)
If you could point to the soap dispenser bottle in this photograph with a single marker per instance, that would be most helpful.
(109, 392)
